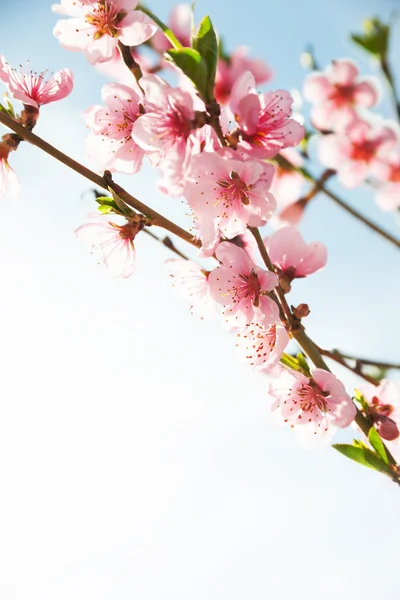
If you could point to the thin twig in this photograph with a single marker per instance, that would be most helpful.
(103, 182)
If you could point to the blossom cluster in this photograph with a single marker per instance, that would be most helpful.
(231, 156)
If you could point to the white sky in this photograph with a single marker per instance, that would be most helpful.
(138, 457)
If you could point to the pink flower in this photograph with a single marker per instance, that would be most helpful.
(313, 406)
(287, 186)
(264, 123)
(96, 26)
(353, 152)
(336, 93)
(292, 257)
(192, 283)
(384, 408)
(113, 235)
(387, 169)
(262, 343)
(169, 119)
(229, 71)
(32, 88)
(9, 184)
(242, 287)
(180, 22)
(227, 192)
(110, 145)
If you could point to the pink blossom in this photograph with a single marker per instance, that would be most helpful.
(264, 123)
(262, 343)
(292, 257)
(229, 71)
(354, 151)
(96, 26)
(336, 92)
(387, 169)
(113, 235)
(192, 283)
(33, 88)
(110, 145)
(9, 184)
(180, 22)
(313, 406)
(169, 119)
(242, 287)
(227, 192)
(384, 408)
(287, 186)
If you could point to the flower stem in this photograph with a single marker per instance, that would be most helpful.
(103, 182)
(130, 62)
(387, 71)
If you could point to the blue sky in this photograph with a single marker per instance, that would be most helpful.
(138, 454)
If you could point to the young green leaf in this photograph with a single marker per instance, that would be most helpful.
(206, 43)
(303, 363)
(376, 442)
(360, 399)
(375, 39)
(193, 66)
(364, 456)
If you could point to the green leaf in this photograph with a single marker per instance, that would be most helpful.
(364, 456)
(171, 37)
(360, 444)
(104, 209)
(375, 39)
(376, 442)
(206, 43)
(303, 363)
(360, 399)
(193, 66)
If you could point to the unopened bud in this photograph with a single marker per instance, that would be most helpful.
(301, 311)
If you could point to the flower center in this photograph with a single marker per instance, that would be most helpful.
(342, 94)
(105, 19)
(235, 190)
(249, 287)
(395, 174)
(363, 152)
(312, 397)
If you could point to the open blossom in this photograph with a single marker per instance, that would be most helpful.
(336, 92)
(169, 119)
(192, 283)
(292, 256)
(384, 408)
(242, 287)
(113, 235)
(229, 71)
(287, 186)
(180, 22)
(8, 180)
(96, 26)
(33, 88)
(387, 171)
(354, 151)
(110, 144)
(264, 123)
(263, 343)
(227, 192)
(313, 406)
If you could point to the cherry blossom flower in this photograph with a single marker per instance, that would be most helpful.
(227, 192)
(384, 408)
(110, 145)
(230, 69)
(262, 343)
(354, 151)
(292, 257)
(287, 186)
(96, 26)
(192, 283)
(313, 406)
(242, 287)
(180, 22)
(169, 119)
(113, 235)
(387, 169)
(32, 88)
(336, 92)
(264, 123)
(9, 184)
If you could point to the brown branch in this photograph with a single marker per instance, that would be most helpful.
(103, 182)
